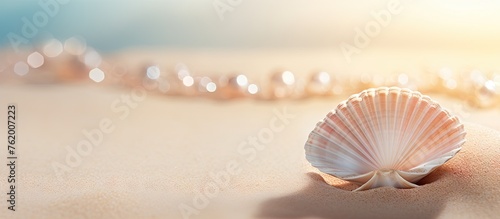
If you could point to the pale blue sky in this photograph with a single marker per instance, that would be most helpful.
(110, 25)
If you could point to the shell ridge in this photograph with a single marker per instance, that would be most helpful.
(342, 161)
(429, 165)
(394, 106)
(413, 101)
(357, 131)
(414, 135)
(424, 169)
(382, 120)
(413, 119)
(338, 146)
(420, 138)
(444, 150)
(402, 103)
(441, 149)
(338, 131)
(374, 123)
(384, 128)
(345, 135)
(373, 135)
(413, 124)
(458, 134)
(430, 136)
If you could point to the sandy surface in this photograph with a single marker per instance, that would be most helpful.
(465, 187)
(163, 155)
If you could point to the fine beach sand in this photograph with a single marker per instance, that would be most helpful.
(160, 157)
(465, 187)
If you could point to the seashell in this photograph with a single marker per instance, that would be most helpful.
(384, 137)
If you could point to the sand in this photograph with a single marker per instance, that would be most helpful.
(465, 187)
(160, 157)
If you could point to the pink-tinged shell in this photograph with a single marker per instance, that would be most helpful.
(385, 137)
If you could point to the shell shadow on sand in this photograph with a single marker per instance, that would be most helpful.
(467, 186)
(321, 200)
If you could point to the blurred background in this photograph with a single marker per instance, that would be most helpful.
(112, 25)
(220, 37)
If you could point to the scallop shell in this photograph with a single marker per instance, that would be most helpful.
(384, 137)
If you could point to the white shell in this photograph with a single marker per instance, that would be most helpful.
(384, 137)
